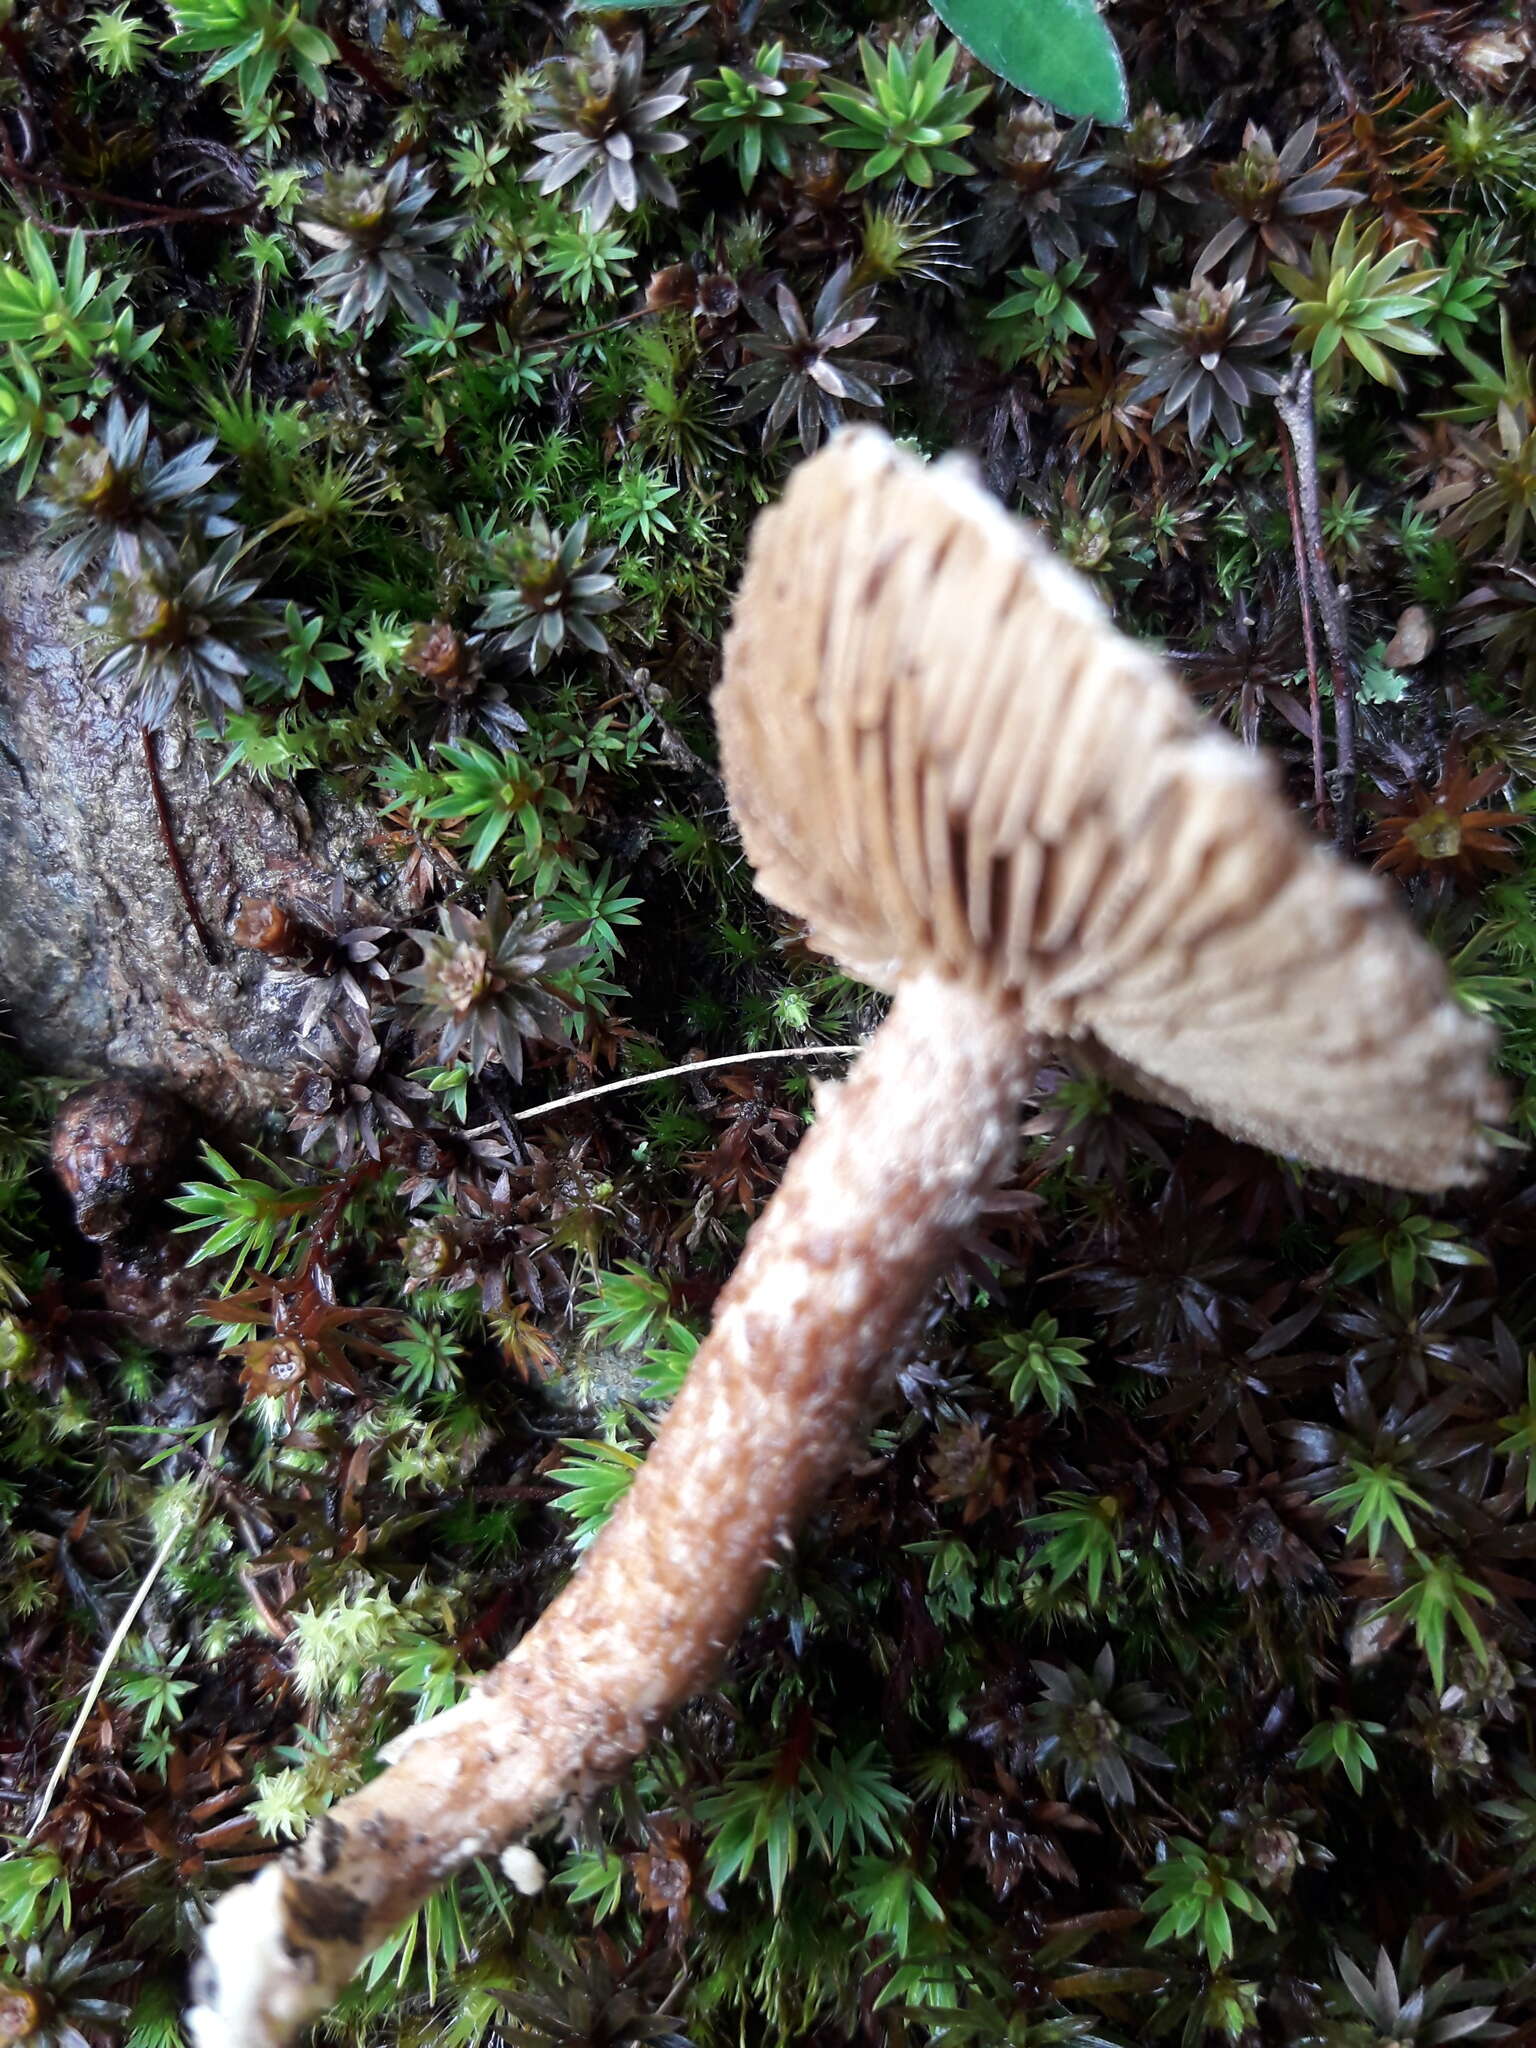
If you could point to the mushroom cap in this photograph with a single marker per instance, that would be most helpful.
(944, 756)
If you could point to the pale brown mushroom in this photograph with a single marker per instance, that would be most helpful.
(944, 757)
(977, 794)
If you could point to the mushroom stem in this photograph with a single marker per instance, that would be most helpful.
(873, 1206)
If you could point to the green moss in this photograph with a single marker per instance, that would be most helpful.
(1195, 1442)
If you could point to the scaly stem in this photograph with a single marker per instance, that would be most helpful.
(806, 1337)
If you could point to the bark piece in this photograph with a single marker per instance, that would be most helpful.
(100, 972)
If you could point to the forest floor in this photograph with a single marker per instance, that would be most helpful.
(1163, 1671)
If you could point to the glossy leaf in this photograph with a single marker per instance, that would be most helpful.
(1058, 50)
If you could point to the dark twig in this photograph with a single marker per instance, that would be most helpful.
(172, 850)
(253, 335)
(218, 157)
(326, 1221)
(1308, 630)
(608, 326)
(53, 227)
(1294, 405)
(1333, 64)
(148, 213)
(357, 60)
(674, 749)
(14, 50)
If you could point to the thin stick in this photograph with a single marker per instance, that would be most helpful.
(675, 750)
(16, 55)
(608, 326)
(1294, 405)
(172, 850)
(1334, 65)
(242, 368)
(730, 1059)
(148, 213)
(99, 1678)
(358, 60)
(1308, 630)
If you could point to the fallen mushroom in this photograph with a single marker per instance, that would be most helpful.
(980, 796)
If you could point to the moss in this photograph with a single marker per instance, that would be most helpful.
(1272, 1485)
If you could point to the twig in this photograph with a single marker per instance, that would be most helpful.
(1333, 64)
(730, 1059)
(242, 368)
(675, 750)
(1294, 405)
(230, 161)
(151, 214)
(323, 1224)
(14, 50)
(358, 61)
(1308, 630)
(608, 326)
(172, 850)
(54, 227)
(93, 1691)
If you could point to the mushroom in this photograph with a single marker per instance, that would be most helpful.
(979, 796)
(944, 758)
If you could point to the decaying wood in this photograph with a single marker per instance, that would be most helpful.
(102, 968)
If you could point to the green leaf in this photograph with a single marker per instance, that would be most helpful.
(593, 1480)
(595, 1878)
(1218, 1932)
(1058, 50)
